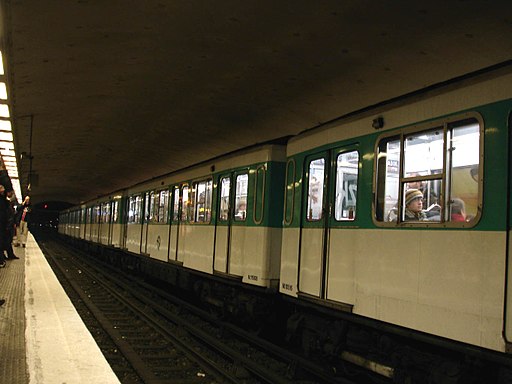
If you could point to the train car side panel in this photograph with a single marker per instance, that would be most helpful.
(157, 240)
(133, 233)
(289, 261)
(196, 246)
(239, 243)
(462, 300)
(221, 248)
(259, 268)
(344, 248)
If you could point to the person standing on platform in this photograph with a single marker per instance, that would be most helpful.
(18, 211)
(23, 233)
(5, 191)
(11, 227)
(6, 186)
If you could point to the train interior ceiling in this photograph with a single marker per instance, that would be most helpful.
(102, 97)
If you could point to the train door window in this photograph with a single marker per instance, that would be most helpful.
(425, 176)
(187, 203)
(241, 188)
(259, 195)
(289, 192)
(388, 162)
(347, 170)
(176, 204)
(315, 189)
(203, 201)
(105, 213)
(149, 206)
(134, 209)
(97, 214)
(115, 211)
(225, 188)
(161, 206)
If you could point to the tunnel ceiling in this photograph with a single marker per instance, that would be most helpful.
(117, 92)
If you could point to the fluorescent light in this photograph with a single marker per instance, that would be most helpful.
(4, 110)
(5, 125)
(3, 91)
(1, 64)
(6, 136)
(7, 145)
(7, 152)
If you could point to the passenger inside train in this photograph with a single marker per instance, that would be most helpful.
(414, 206)
(458, 210)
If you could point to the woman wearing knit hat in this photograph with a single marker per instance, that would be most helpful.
(414, 206)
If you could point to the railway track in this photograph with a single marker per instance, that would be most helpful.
(150, 336)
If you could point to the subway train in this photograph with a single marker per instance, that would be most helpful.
(379, 239)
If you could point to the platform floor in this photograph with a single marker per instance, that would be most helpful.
(42, 338)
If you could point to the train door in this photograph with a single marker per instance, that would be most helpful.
(114, 234)
(83, 223)
(110, 222)
(186, 215)
(125, 220)
(149, 198)
(175, 223)
(98, 226)
(223, 226)
(329, 205)
(314, 225)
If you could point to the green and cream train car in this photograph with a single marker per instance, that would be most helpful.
(221, 217)
(351, 241)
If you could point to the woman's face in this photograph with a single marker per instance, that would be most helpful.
(416, 205)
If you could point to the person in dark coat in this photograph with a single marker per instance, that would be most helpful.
(6, 190)
(11, 229)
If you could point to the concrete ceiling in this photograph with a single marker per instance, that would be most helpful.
(121, 91)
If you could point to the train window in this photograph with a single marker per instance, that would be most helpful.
(161, 206)
(202, 201)
(426, 176)
(105, 213)
(186, 203)
(149, 204)
(464, 171)
(259, 196)
(347, 170)
(97, 214)
(241, 185)
(176, 204)
(115, 211)
(315, 189)
(134, 209)
(289, 192)
(225, 187)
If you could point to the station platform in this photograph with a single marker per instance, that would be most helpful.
(42, 338)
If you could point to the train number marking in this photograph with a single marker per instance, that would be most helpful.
(288, 287)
